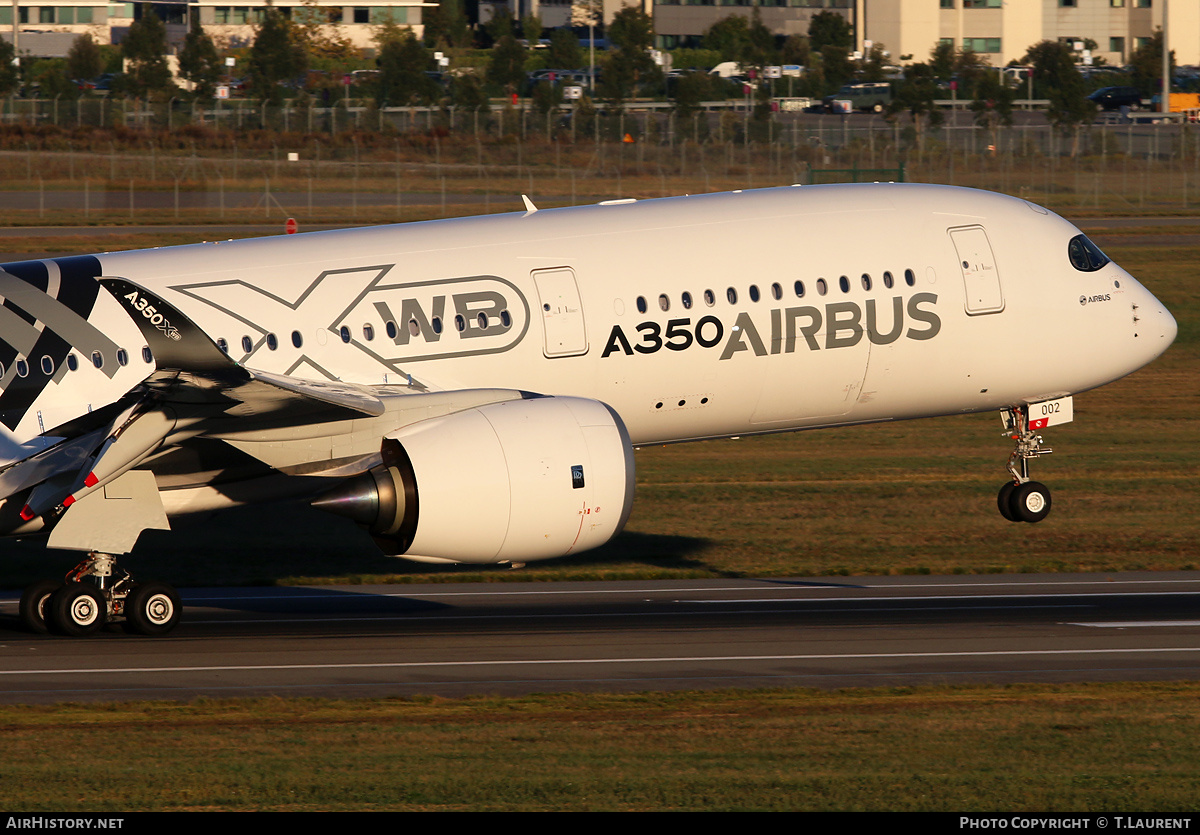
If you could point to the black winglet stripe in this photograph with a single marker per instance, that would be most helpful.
(176, 342)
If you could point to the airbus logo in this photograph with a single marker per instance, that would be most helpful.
(837, 325)
(1086, 300)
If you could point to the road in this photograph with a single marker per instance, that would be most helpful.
(515, 638)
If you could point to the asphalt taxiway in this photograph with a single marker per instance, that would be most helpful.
(514, 638)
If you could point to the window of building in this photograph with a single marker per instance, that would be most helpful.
(388, 14)
(981, 45)
(1116, 45)
(982, 4)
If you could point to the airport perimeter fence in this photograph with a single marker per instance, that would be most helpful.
(431, 162)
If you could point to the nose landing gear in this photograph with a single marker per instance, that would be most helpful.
(1022, 499)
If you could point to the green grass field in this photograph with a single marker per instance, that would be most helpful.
(1114, 748)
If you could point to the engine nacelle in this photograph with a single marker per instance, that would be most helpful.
(515, 481)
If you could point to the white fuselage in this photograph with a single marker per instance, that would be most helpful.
(693, 317)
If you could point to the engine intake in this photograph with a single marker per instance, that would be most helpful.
(515, 481)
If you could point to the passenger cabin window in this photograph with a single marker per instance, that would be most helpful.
(641, 305)
(664, 304)
(1085, 256)
(147, 356)
(272, 341)
(97, 359)
(72, 362)
(247, 344)
(345, 333)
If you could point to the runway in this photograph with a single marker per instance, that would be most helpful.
(516, 638)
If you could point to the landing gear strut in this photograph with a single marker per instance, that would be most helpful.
(1022, 499)
(94, 593)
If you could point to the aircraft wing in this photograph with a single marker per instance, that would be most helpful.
(193, 384)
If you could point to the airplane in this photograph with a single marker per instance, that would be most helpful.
(472, 390)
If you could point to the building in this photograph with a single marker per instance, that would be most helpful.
(999, 30)
(1002, 30)
(46, 28)
(683, 22)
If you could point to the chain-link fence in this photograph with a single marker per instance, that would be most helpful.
(350, 162)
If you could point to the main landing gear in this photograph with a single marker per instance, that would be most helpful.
(97, 592)
(1022, 499)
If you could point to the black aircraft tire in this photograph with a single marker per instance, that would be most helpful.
(1031, 501)
(152, 609)
(76, 610)
(1004, 501)
(34, 602)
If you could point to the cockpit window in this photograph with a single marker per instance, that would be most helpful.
(1085, 256)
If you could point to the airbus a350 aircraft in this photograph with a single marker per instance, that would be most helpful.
(471, 390)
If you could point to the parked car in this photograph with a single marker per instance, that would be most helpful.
(1114, 98)
(873, 96)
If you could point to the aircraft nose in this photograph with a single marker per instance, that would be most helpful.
(1170, 328)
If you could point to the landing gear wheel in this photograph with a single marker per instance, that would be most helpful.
(33, 605)
(1031, 501)
(77, 609)
(1004, 501)
(152, 609)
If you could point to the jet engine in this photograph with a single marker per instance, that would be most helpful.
(514, 481)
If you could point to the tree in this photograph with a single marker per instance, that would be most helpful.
(730, 36)
(1146, 63)
(830, 29)
(916, 94)
(467, 93)
(993, 103)
(200, 63)
(145, 50)
(403, 64)
(9, 76)
(506, 66)
(872, 66)
(275, 56)
(565, 53)
(1055, 77)
(630, 37)
(531, 30)
(84, 60)
(446, 25)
